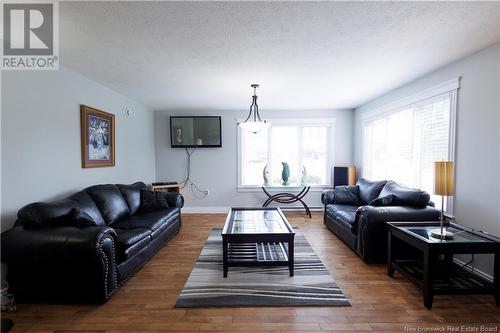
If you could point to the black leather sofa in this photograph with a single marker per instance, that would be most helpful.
(50, 258)
(358, 214)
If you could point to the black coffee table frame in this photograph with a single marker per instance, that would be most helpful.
(249, 249)
(417, 259)
(287, 198)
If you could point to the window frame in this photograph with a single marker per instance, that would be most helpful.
(291, 122)
(451, 87)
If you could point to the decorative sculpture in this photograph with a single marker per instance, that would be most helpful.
(265, 175)
(303, 179)
(285, 173)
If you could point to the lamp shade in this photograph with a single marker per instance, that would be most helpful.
(444, 178)
(254, 126)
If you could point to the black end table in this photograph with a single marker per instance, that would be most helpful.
(428, 261)
(257, 237)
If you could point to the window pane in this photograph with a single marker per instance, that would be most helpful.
(285, 148)
(314, 158)
(254, 157)
(379, 149)
(297, 145)
(404, 145)
(432, 128)
(399, 147)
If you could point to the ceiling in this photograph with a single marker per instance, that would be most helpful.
(305, 55)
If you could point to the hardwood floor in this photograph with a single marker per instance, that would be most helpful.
(145, 303)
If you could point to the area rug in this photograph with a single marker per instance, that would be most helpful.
(312, 285)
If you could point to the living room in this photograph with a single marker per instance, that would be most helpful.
(156, 154)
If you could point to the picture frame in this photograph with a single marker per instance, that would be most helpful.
(97, 137)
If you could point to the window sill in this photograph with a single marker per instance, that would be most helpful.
(277, 189)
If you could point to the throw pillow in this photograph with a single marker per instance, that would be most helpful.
(382, 201)
(152, 201)
(132, 195)
(369, 190)
(82, 219)
(405, 196)
(347, 195)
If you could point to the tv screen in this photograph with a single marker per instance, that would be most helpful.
(200, 132)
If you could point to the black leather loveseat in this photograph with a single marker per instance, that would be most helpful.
(358, 214)
(84, 247)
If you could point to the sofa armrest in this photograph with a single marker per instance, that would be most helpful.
(80, 261)
(174, 199)
(372, 227)
(22, 245)
(328, 197)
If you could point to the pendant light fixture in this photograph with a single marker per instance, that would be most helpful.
(254, 123)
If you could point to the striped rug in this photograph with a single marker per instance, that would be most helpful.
(312, 285)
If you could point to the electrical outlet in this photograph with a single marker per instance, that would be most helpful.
(208, 192)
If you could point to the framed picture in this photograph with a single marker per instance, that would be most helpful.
(98, 137)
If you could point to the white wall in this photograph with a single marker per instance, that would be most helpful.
(216, 168)
(40, 136)
(477, 198)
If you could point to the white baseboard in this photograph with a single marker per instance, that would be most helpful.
(301, 209)
(218, 210)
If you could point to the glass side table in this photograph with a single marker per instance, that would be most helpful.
(429, 263)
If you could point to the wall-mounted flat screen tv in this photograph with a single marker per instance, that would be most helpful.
(199, 132)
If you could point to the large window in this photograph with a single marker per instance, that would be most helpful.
(300, 143)
(402, 144)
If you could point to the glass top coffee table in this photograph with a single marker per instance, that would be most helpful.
(257, 237)
(429, 262)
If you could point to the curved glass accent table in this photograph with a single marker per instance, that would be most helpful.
(287, 197)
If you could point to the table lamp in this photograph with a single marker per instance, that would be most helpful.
(443, 186)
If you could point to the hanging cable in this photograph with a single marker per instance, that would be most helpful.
(194, 189)
(471, 261)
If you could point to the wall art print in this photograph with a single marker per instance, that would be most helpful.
(98, 137)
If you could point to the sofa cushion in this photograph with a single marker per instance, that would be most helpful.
(151, 221)
(40, 214)
(129, 242)
(382, 201)
(76, 217)
(62, 221)
(88, 206)
(405, 196)
(126, 254)
(369, 190)
(110, 202)
(347, 195)
(58, 213)
(82, 219)
(152, 201)
(344, 215)
(132, 195)
(328, 197)
(131, 236)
